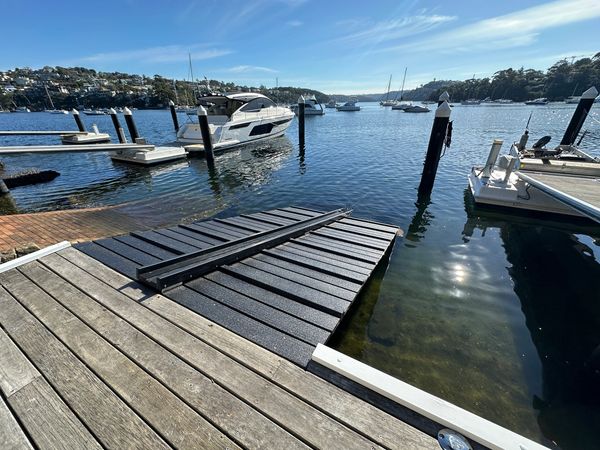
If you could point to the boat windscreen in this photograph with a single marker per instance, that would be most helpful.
(221, 106)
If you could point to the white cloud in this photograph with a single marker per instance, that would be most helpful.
(516, 29)
(163, 54)
(394, 29)
(249, 69)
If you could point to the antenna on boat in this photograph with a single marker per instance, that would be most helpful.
(525, 135)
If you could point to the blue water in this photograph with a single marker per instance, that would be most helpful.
(497, 313)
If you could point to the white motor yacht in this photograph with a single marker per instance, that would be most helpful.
(471, 102)
(21, 109)
(537, 101)
(417, 109)
(348, 106)
(236, 119)
(94, 112)
(311, 107)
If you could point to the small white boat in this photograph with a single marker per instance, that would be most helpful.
(471, 102)
(21, 109)
(348, 106)
(331, 104)
(236, 119)
(94, 112)
(311, 107)
(563, 180)
(91, 137)
(572, 99)
(537, 101)
(416, 109)
(190, 110)
(388, 102)
(503, 101)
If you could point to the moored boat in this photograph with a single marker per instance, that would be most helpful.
(238, 118)
(311, 107)
(537, 101)
(349, 106)
(416, 109)
(562, 180)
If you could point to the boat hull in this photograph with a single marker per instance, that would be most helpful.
(232, 134)
(514, 193)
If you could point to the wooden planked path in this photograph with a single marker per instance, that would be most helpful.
(287, 298)
(92, 359)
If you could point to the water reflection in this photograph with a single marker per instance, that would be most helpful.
(556, 278)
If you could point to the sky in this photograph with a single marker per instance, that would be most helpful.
(335, 46)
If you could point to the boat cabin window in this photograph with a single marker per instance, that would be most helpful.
(221, 106)
(257, 104)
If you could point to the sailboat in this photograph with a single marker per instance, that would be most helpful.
(402, 105)
(387, 101)
(53, 110)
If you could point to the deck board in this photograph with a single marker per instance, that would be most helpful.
(94, 403)
(279, 405)
(214, 404)
(12, 436)
(112, 290)
(286, 323)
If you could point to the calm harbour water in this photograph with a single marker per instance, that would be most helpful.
(497, 313)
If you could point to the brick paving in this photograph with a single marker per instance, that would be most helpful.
(19, 231)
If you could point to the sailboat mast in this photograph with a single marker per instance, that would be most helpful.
(49, 98)
(388, 89)
(403, 80)
(175, 89)
(192, 74)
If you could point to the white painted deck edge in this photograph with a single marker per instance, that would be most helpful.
(470, 425)
(33, 256)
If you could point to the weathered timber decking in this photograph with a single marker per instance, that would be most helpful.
(287, 298)
(92, 359)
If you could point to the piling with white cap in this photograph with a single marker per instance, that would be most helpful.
(444, 97)
(117, 125)
(434, 149)
(133, 132)
(78, 121)
(206, 137)
(174, 115)
(301, 108)
(583, 108)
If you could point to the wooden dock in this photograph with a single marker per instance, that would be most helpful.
(92, 359)
(284, 296)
